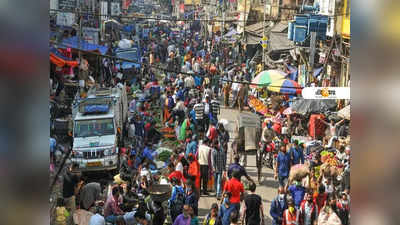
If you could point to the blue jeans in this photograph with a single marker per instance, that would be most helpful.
(282, 181)
(111, 219)
(236, 205)
(217, 183)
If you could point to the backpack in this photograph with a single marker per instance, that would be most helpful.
(178, 202)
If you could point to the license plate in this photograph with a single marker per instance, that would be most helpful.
(93, 164)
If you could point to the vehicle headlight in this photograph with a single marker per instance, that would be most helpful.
(108, 151)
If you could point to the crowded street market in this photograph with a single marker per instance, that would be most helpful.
(173, 114)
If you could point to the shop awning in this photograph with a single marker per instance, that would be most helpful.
(60, 60)
(82, 45)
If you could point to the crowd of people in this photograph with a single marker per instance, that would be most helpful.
(198, 73)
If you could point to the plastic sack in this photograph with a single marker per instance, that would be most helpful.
(329, 170)
(327, 217)
(298, 172)
(124, 44)
(96, 108)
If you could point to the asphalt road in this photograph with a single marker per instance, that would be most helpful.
(267, 189)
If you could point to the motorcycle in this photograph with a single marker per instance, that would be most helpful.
(269, 153)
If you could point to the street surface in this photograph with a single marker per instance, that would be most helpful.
(268, 187)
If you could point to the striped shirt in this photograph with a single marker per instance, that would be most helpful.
(199, 109)
(215, 108)
(194, 93)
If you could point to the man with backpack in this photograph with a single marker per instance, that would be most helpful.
(177, 200)
(278, 206)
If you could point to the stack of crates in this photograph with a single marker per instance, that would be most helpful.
(303, 25)
(300, 28)
(319, 24)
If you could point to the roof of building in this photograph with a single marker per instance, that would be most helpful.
(279, 42)
(280, 27)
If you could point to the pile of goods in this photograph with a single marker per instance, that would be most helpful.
(168, 132)
(164, 155)
(257, 105)
(330, 170)
(298, 172)
(325, 155)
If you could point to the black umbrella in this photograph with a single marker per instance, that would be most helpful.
(308, 106)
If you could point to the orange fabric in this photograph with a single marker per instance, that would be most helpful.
(316, 128)
(166, 114)
(291, 218)
(194, 170)
(60, 62)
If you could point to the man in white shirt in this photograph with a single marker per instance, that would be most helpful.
(207, 110)
(189, 82)
(204, 158)
(235, 90)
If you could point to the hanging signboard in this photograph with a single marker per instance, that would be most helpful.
(244, 9)
(103, 10)
(53, 5)
(67, 4)
(115, 9)
(90, 35)
(65, 19)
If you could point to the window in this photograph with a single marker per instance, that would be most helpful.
(88, 128)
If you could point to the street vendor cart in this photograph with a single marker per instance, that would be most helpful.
(248, 133)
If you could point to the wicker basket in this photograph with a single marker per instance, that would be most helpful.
(160, 192)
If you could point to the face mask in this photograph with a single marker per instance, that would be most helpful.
(345, 202)
(281, 196)
(291, 209)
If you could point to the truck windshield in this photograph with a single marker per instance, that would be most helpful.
(99, 127)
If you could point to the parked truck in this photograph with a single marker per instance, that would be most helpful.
(98, 129)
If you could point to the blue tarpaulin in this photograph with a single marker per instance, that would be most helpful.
(72, 42)
(293, 73)
(129, 28)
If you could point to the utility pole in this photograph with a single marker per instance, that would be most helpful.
(244, 18)
(223, 20)
(79, 37)
(312, 54)
(263, 51)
